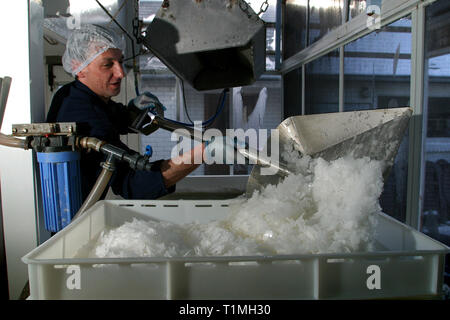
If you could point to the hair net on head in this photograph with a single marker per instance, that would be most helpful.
(87, 43)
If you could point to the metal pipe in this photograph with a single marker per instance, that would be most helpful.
(5, 84)
(113, 154)
(103, 178)
(172, 126)
(247, 152)
(263, 161)
(99, 187)
(11, 141)
(91, 143)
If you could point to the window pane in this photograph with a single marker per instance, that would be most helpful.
(292, 93)
(324, 16)
(377, 71)
(294, 27)
(270, 48)
(322, 84)
(270, 39)
(269, 17)
(435, 220)
(357, 7)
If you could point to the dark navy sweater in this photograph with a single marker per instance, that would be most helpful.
(75, 102)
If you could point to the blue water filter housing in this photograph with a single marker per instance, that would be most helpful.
(60, 186)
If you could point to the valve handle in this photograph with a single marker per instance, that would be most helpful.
(148, 151)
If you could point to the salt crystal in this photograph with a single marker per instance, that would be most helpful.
(327, 207)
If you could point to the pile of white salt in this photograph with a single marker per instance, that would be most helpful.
(327, 207)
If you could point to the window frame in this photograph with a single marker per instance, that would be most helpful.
(356, 28)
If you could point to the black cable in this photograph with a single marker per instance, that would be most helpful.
(220, 104)
(184, 102)
(208, 122)
(138, 55)
(133, 57)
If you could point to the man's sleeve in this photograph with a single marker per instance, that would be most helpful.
(57, 101)
(135, 185)
(123, 117)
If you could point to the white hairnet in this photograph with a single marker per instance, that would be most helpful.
(87, 43)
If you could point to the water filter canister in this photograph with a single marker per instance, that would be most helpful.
(60, 186)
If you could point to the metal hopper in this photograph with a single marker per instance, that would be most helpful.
(373, 133)
(211, 44)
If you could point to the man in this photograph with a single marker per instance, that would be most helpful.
(94, 57)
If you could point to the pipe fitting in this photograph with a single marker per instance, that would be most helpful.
(109, 164)
(91, 143)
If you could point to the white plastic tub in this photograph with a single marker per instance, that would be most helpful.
(410, 264)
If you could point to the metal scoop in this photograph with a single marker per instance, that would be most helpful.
(376, 134)
(158, 121)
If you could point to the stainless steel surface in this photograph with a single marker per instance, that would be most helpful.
(376, 134)
(324, 18)
(210, 44)
(38, 129)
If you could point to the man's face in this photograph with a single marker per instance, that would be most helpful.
(104, 74)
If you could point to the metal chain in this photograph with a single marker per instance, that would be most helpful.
(136, 9)
(137, 23)
(244, 7)
(264, 7)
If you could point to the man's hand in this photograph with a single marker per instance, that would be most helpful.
(149, 102)
(138, 109)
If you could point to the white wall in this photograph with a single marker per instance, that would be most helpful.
(20, 38)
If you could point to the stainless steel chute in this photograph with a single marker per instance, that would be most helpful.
(211, 44)
(376, 134)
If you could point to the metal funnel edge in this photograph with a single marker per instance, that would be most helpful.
(376, 134)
